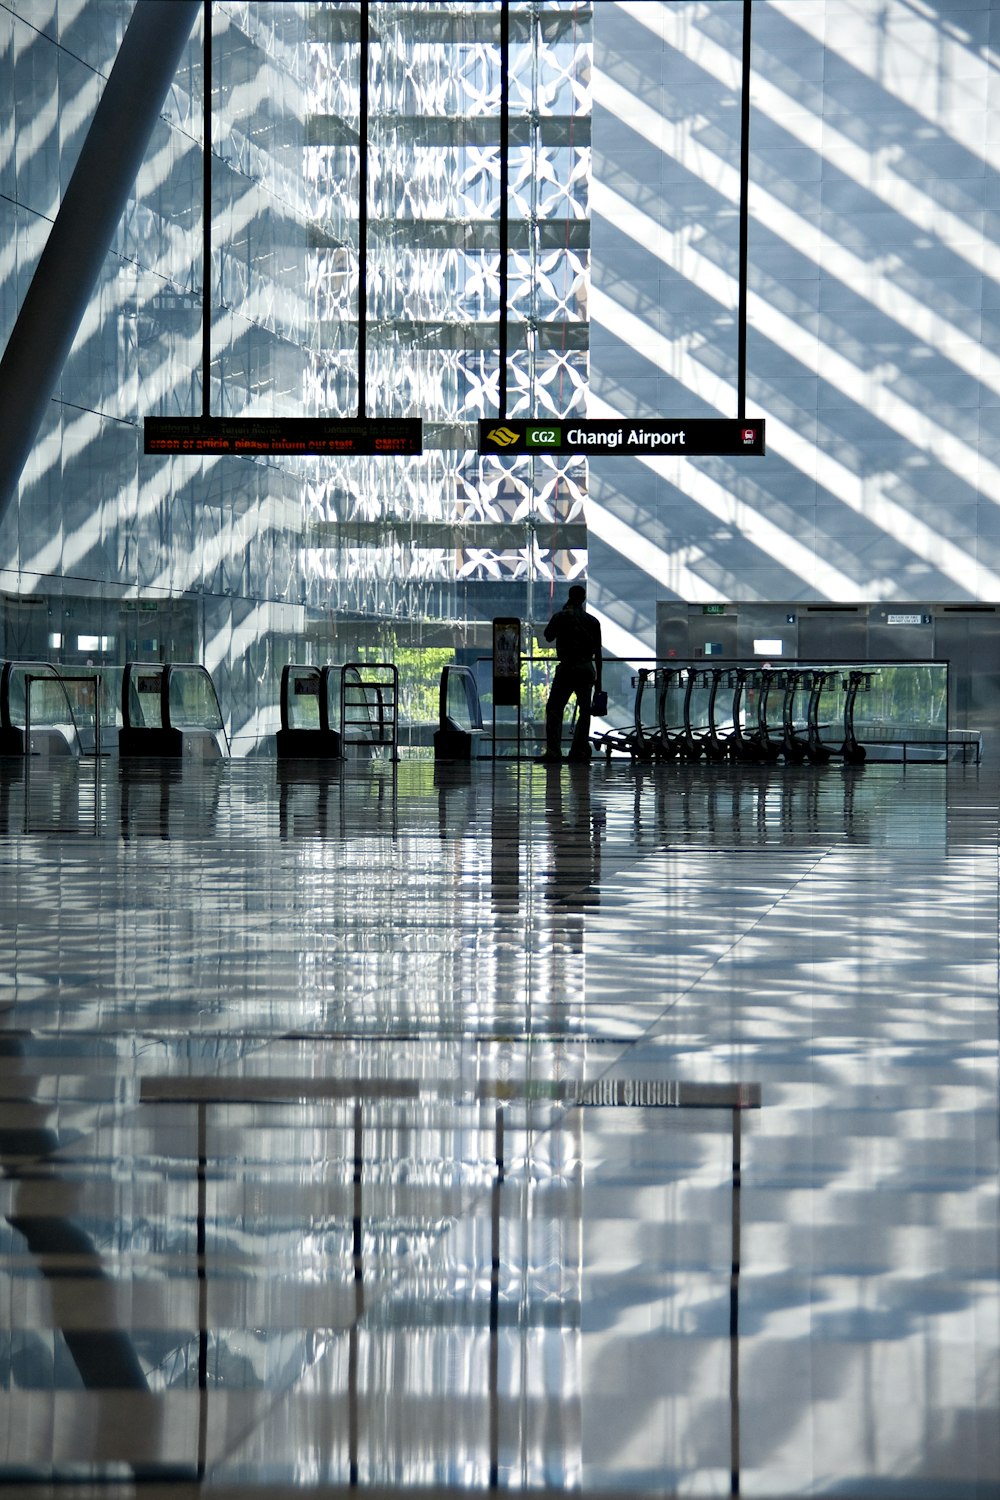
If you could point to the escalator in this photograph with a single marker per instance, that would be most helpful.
(170, 711)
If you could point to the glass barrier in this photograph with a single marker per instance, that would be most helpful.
(58, 706)
(50, 705)
(461, 706)
(142, 693)
(301, 691)
(192, 702)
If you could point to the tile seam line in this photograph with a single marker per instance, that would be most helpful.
(398, 1277)
(732, 946)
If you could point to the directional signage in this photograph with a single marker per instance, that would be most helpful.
(653, 437)
(287, 436)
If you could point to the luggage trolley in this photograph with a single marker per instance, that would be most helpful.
(855, 682)
(715, 745)
(646, 740)
(702, 738)
(640, 740)
(818, 752)
(669, 735)
(766, 747)
(795, 729)
(742, 746)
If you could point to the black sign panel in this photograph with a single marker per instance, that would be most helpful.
(506, 661)
(287, 436)
(652, 437)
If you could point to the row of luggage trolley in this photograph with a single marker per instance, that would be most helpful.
(743, 714)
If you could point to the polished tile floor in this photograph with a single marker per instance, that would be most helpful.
(625, 1131)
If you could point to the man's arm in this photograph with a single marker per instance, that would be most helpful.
(551, 629)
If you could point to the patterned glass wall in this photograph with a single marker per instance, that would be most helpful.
(245, 564)
(453, 521)
(872, 304)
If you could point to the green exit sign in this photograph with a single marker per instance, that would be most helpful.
(713, 609)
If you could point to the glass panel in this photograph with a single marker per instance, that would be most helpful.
(462, 704)
(145, 711)
(303, 697)
(50, 706)
(193, 703)
(232, 537)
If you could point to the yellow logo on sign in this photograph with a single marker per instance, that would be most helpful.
(502, 436)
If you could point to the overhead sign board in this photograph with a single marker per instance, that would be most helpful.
(247, 437)
(653, 437)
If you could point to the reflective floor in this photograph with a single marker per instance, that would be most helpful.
(626, 1131)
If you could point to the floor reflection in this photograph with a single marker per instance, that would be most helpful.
(491, 1126)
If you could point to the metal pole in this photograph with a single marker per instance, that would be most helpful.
(206, 221)
(494, 1380)
(504, 203)
(363, 214)
(741, 376)
(734, 1315)
(201, 1252)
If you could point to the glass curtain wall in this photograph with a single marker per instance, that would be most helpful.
(468, 537)
(244, 564)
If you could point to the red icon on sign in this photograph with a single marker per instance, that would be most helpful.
(749, 434)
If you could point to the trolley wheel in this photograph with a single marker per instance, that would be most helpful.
(855, 755)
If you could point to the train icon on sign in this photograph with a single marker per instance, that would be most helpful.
(502, 436)
(749, 435)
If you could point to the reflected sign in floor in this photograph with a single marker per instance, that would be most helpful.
(248, 437)
(686, 437)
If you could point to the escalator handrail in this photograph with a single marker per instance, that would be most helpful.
(166, 670)
(9, 667)
(169, 668)
(466, 675)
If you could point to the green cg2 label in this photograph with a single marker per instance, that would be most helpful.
(542, 437)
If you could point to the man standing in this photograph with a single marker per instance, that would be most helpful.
(577, 637)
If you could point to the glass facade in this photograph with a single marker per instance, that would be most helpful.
(246, 564)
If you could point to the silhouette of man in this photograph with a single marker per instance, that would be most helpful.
(577, 637)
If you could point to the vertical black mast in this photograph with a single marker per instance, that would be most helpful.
(363, 213)
(504, 207)
(206, 220)
(741, 376)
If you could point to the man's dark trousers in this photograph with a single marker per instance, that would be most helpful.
(567, 681)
